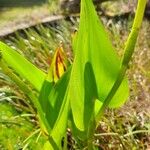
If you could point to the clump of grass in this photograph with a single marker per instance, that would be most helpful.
(38, 44)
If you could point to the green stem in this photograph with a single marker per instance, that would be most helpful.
(136, 132)
(26, 90)
(129, 49)
(90, 134)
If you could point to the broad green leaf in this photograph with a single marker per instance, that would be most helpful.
(56, 70)
(93, 47)
(59, 108)
(22, 66)
(52, 97)
(50, 146)
(44, 94)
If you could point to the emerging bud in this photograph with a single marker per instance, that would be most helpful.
(58, 65)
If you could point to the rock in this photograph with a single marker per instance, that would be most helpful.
(110, 8)
(73, 6)
(70, 6)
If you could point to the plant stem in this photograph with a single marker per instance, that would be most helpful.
(90, 136)
(129, 49)
(136, 132)
(26, 90)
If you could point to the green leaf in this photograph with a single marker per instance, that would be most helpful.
(50, 146)
(44, 94)
(57, 68)
(58, 115)
(93, 47)
(52, 98)
(22, 66)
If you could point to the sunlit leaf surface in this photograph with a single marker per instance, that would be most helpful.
(95, 68)
(22, 66)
